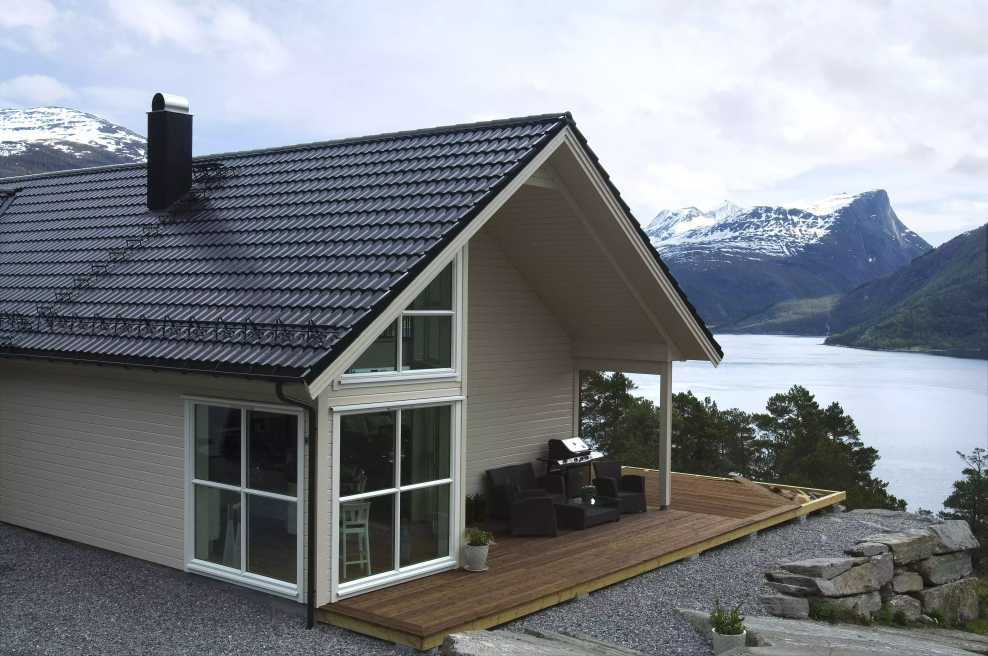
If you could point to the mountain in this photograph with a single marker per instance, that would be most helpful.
(54, 138)
(936, 304)
(734, 262)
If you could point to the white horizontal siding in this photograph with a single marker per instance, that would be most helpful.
(520, 369)
(96, 454)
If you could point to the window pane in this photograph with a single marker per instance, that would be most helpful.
(426, 342)
(217, 454)
(424, 524)
(272, 452)
(382, 355)
(217, 526)
(366, 537)
(438, 295)
(272, 526)
(425, 434)
(367, 452)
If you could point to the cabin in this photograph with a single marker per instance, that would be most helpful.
(289, 368)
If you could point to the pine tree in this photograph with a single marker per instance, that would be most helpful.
(969, 500)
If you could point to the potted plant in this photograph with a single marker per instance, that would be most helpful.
(727, 628)
(478, 541)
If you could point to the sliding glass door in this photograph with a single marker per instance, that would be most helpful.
(395, 498)
(243, 495)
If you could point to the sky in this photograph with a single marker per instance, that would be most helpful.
(687, 104)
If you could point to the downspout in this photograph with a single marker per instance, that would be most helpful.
(311, 441)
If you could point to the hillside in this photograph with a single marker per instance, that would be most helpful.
(938, 304)
(736, 262)
(56, 138)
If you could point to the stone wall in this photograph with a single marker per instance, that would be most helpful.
(917, 573)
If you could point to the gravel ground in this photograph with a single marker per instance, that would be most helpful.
(59, 597)
(640, 613)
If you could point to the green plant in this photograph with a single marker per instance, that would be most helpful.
(727, 622)
(478, 537)
(836, 614)
(979, 626)
(937, 617)
(889, 617)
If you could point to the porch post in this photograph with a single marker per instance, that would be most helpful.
(322, 503)
(665, 437)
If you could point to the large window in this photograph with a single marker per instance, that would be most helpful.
(421, 339)
(243, 494)
(395, 495)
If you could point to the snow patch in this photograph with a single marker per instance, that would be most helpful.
(67, 130)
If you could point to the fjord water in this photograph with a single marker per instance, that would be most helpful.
(917, 410)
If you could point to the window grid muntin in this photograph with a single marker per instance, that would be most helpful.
(243, 573)
(396, 493)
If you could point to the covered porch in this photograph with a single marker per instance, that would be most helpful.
(529, 574)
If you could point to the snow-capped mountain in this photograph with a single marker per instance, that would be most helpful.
(53, 138)
(734, 262)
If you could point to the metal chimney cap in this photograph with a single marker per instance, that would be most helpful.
(167, 102)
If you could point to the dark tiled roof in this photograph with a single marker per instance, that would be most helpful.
(277, 258)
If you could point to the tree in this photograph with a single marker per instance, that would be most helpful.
(793, 441)
(612, 419)
(969, 500)
(818, 447)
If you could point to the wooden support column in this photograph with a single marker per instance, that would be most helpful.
(665, 437)
(323, 500)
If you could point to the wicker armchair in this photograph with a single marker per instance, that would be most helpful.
(628, 489)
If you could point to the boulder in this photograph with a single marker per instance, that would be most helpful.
(797, 608)
(822, 568)
(909, 607)
(937, 570)
(906, 546)
(904, 581)
(867, 549)
(792, 590)
(957, 602)
(809, 585)
(952, 535)
(864, 605)
(867, 577)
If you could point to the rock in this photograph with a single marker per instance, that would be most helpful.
(864, 605)
(937, 570)
(867, 577)
(530, 643)
(792, 590)
(866, 549)
(907, 546)
(926, 619)
(807, 584)
(952, 535)
(957, 602)
(909, 607)
(904, 581)
(822, 568)
(783, 606)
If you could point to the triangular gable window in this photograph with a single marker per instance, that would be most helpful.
(421, 338)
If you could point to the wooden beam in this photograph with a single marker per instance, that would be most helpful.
(665, 437)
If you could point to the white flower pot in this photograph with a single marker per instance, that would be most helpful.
(475, 558)
(723, 643)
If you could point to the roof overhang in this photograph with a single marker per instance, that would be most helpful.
(565, 162)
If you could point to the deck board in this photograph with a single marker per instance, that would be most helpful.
(527, 574)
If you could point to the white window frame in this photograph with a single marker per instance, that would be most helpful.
(400, 375)
(242, 576)
(398, 574)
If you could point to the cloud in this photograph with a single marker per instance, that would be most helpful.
(34, 90)
(32, 19)
(225, 30)
(970, 164)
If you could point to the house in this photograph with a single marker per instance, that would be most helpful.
(222, 363)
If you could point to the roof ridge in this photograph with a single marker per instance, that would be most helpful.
(478, 125)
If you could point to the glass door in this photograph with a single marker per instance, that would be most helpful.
(244, 495)
(394, 510)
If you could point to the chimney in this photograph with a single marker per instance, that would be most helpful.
(169, 150)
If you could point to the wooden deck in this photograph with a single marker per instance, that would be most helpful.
(529, 574)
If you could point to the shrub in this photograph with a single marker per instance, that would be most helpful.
(836, 614)
(727, 622)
